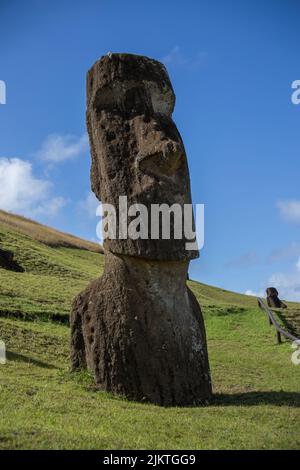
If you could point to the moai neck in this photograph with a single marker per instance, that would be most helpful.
(163, 278)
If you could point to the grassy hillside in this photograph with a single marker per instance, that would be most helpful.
(44, 234)
(257, 388)
(51, 277)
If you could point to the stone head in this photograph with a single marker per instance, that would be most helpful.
(136, 148)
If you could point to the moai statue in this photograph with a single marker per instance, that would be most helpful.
(273, 299)
(139, 328)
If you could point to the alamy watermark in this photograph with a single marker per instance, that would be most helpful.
(2, 92)
(162, 221)
(295, 97)
(296, 354)
(2, 353)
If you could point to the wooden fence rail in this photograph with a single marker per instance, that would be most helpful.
(279, 330)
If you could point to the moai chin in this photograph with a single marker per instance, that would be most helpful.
(139, 328)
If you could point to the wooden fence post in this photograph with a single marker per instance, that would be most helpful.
(278, 337)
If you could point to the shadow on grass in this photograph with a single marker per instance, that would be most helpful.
(12, 356)
(291, 324)
(59, 318)
(258, 398)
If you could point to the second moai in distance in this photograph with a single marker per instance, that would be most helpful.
(272, 298)
(139, 328)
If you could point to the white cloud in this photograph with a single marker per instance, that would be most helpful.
(50, 207)
(250, 292)
(88, 205)
(58, 148)
(288, 252)
(289, 210)
(176, 58)
(21, 192)
(255, 294)
(245, 260)
(90, 210)
(288, 284)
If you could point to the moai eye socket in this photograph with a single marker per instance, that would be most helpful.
(137, 101)
(126, 98)
(105, 100)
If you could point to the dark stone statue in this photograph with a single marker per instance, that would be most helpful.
(273, 299)
(139, 328)
(7, 261)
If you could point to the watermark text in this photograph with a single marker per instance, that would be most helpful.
(2, 353)
(2, 92)
(296, 354)
(157, 222)
(296, 94)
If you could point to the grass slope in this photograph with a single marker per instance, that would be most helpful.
(44, 234)
(51, 279)
(257, 392)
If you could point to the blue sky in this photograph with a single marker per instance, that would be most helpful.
(232, 65)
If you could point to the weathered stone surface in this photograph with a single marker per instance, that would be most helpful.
(273, 299)
(139, 328)
(136, 148)
(141, 332)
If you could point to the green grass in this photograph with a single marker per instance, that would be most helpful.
(51, 279)
(290, 319)
(256, 386)
(47, 235)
